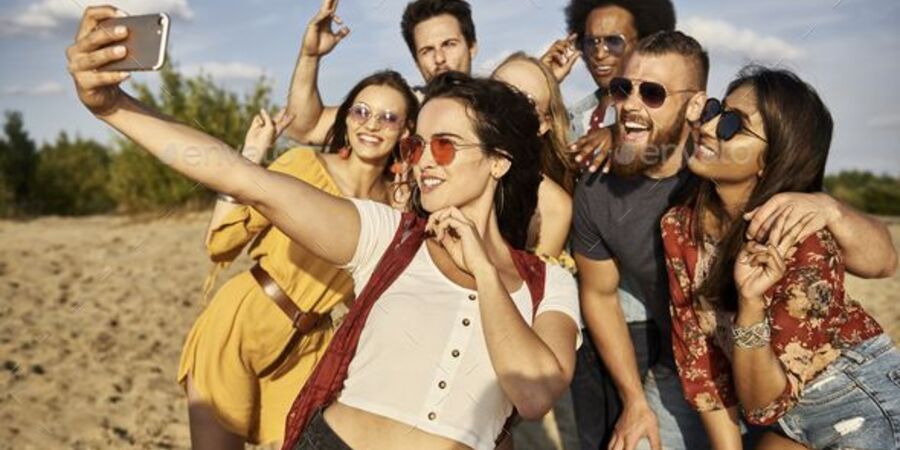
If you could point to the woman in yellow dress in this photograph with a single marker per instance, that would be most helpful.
(253, 347)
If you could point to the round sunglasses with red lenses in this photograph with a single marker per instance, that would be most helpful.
(731, 122)
(443, 150)
(361, 113)
(652, 93)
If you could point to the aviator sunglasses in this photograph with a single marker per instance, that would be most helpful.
(730, 121)
(652, 93)
(614, 44)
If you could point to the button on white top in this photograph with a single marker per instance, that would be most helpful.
(415, 363)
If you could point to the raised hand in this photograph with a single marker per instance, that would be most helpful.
(561, 56)
(592, 150)
(320, 39)
(459, 236)
(98, 91)
(758, 268)
(264, 131)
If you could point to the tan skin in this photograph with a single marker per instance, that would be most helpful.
(474, 254)
(603, 66)
(440, 46)
(359, 176)
(554, 203)
(600, 305)
(736, 165)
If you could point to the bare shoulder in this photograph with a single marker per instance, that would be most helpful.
(552, 197)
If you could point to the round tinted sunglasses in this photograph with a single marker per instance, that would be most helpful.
(361, 113)
(614, 44)
(730, 123)
(652, 94)
(443, 150)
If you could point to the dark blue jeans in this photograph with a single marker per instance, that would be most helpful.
(594, 396)
(319, 436)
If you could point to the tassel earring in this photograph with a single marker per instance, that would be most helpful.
(344, 152)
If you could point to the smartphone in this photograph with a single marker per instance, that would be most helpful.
(148, 36)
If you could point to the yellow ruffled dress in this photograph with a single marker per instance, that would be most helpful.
(241, 332)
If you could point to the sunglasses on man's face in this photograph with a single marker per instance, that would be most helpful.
(614, 44)
(361, 113)
(730, 122)
(652, 93)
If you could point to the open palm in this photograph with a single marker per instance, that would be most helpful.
(320, 38)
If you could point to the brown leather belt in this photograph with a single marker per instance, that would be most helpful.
(304, 322)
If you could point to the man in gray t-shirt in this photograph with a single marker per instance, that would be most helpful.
(625, 387)
(617, 218)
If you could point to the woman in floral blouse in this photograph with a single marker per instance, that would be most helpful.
(768, 325)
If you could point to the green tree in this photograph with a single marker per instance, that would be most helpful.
(876, 194)
(72, 178)
(18, 159)
(139, 182)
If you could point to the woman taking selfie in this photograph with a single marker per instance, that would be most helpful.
(258, 340)
(500, 325)
(768, 325)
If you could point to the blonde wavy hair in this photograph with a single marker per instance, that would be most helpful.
(555, 161)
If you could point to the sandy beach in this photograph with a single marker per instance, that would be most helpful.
(94, 313)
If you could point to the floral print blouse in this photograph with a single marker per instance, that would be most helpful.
(811, 317)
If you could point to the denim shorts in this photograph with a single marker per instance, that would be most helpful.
(854, 403)
(319, 436)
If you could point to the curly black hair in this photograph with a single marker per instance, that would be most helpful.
(650, 16)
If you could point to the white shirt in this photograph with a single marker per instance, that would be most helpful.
(422, 358)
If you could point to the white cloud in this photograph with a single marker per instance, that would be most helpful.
(45, 88)
(45, 16)
(719, 36)
(887, 122)
(225, 70)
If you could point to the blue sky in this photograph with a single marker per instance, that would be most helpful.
(848, 49)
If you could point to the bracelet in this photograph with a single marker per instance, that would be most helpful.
(755, 336)
(227, 198)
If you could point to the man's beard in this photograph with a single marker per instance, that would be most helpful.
(632, 159)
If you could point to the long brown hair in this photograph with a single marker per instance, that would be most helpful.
(336, 139)
(798, 128)
(555, 163)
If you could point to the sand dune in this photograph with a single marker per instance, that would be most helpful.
(93, 315)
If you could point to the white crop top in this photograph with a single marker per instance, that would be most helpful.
(422, 359)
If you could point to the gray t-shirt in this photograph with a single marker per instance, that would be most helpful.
(618, 218)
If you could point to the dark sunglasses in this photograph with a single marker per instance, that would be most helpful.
(652, 94)
(614, 44)
(361, 113)
(730, 121)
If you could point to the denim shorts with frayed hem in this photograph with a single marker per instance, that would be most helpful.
(854, 403)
